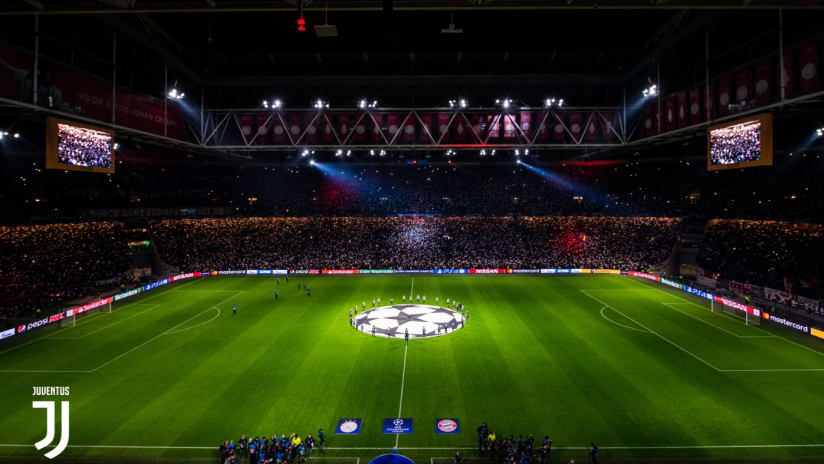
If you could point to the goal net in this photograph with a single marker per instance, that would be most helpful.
(745, 317)
(67, 321)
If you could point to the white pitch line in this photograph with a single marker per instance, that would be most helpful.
(90, 318)
(629, 448)
(800, 369)
(198, 325)
(166, 332)
(618, 323)
(109, 325)
(654, 332)
(641, 281)
(403, 373)
(669, 305)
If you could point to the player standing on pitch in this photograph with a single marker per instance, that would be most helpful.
(321, 441)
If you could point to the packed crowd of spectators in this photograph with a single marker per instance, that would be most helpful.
(77, 146)
(773, 254)
(420, 243)
(736, 144)
(42, 265)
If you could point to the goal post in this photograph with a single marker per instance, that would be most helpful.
(746, 317)
(67, 321)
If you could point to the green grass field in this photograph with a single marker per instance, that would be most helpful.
(648, 373)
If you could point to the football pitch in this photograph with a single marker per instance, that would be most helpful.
(646, 372)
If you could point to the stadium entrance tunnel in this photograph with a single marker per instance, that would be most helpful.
(421, 320)
(391, 459)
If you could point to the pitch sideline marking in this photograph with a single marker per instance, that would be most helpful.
(672, 447)
(166, 332)
(655, 333)
(800, 369)
(618, 323)
(754, 327)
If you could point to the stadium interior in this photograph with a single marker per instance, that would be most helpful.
(674, 148)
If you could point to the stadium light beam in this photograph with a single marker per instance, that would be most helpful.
(553, 177)
(176, 94)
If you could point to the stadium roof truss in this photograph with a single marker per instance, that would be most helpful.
(411, 128)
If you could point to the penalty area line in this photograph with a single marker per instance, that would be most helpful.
(94, 317)
(166, 332)
(169, 331)
(618, 323)
(654, 332)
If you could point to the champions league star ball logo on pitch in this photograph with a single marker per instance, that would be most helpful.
(418, 320)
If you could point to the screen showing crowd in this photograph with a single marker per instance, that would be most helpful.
(78, 146)
(740, 143)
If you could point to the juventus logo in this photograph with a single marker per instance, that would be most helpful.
(64, 427)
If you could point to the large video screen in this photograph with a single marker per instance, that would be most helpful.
(742, 143)
(80, 147)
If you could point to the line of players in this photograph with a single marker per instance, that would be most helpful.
(260, 450)
(420, 299)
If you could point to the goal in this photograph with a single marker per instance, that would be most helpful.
(70, 321)
(67, 321)
(745, 317)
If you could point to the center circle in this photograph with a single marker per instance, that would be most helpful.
(420, 320)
